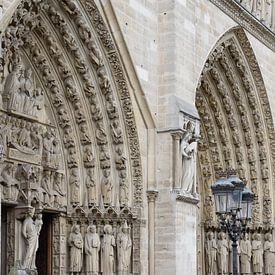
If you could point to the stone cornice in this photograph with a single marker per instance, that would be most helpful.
(249, 22)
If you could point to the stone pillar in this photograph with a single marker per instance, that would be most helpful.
(59, 245)
(152, 196)
(176, 161)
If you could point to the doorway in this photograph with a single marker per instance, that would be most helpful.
(4, 216)
(44, 252)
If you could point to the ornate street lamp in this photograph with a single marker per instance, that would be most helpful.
(233, 202)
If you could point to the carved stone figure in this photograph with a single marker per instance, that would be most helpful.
(92, 247)
(211, 253)
(9, 182)
(58, 187)
(47, 188)
(269, 255)
(76, 250)
(106, 187)
(107, 251)
(12, 88)
(30, 232)
(188, 153)
(222, 253)
(91, 187)
(123, 188)
(245, 247)
(88, 158)
(124, 249)
(257, 254)
(74, 186)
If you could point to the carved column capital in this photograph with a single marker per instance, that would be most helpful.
(152, 195)
(177, 135)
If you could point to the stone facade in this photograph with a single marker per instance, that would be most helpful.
(115, 116)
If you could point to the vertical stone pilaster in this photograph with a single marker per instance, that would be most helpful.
(176, 160)
(59, 245)
(152, 196)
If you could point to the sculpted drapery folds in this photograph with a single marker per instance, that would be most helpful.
(257, 254)
(211, 253)
(92, 248)
(124, 249)
(188, 147)
(30, 231)
(246, 253)
(269, 255)
(222, 252)
(76, 250)
(107, 251)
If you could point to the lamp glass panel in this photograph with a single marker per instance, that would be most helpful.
(236, 200)
(221, 200)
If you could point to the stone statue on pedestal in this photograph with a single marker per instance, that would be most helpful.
(211, 254)
(108, 244)
(30, 232)
(188, 148)
(76, 250)
(222, 251)
(269, 255)
(92, 247)
(257, 254)
(245, 247)
(124, 249)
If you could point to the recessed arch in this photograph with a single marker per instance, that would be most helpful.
(87, 119)
(236, 128)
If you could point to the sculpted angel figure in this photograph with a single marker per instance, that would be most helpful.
(188, 148)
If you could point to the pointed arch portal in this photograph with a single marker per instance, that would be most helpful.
(68, 133)
(237, 132)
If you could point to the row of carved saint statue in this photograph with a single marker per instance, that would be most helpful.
(100, 253)
(254, 257)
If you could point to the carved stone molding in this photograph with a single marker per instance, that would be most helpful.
(247, 20)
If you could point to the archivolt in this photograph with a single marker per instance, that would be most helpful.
(236, 124)
(69, 46)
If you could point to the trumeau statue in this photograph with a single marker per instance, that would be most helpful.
(76, 250)
(188, 148)
(211, 253)
(222, 252)
(30, 232)
(124, 249)
(107, 248)
(92, 247)
(269, 255)
(257, 254)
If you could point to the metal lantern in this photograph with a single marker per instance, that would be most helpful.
(223, 193)
(236, 202)
(247, 201)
